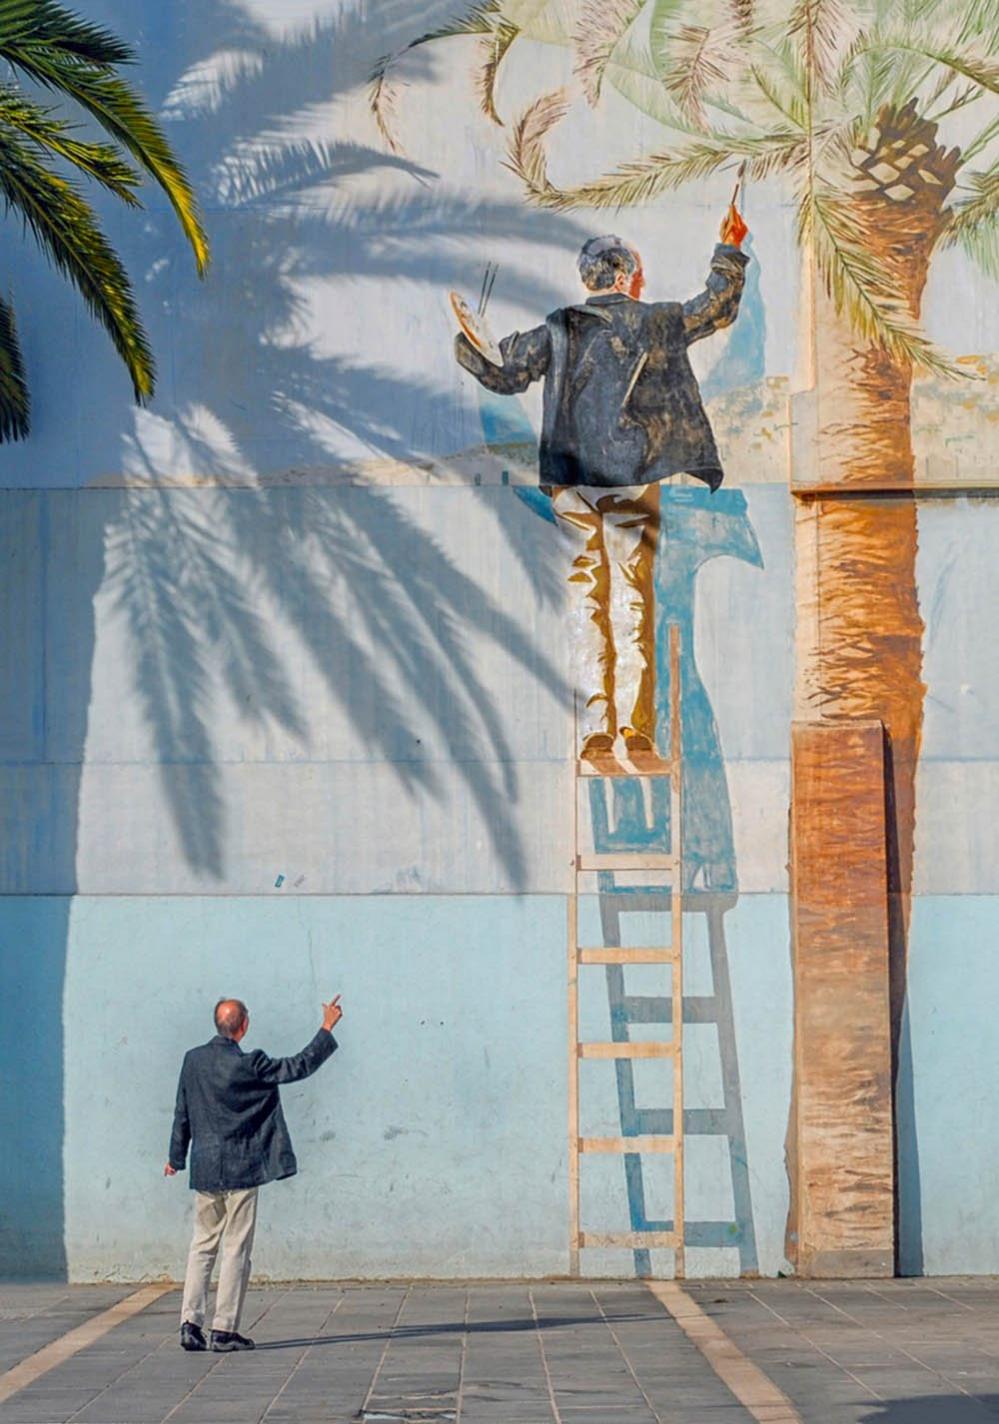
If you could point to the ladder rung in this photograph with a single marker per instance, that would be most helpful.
(626, 956)
(626, 860)
(625, 1050)
(639, 764)
(627, 1144)
(635, 1240)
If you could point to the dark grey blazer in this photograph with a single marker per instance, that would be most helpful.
(229, 1113)
(621, 402)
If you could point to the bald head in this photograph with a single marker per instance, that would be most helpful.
(231, 1016)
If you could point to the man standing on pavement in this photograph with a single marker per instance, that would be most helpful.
(229, 1113)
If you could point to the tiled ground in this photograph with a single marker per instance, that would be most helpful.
(902, 1352)
(870, 1352)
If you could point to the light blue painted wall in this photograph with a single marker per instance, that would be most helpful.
(947, 1093)
(434, 1142)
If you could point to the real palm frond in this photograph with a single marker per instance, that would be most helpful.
(68, 233)
(973, 222)
(48, 23)
(485, 19)
(601, 27)
(701, 60)
(15, 404)
(493, 48)
(819, 27)
(99, 161)
(526, 150)
(644, 179)
(63, 53)
(858, 286)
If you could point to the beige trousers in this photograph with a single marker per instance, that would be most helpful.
(612, 536)
(227, 1219)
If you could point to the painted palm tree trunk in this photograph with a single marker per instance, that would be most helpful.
(859, 662)
(860, 640)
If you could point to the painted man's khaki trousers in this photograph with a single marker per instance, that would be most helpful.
(226, 1219)
(612, 535)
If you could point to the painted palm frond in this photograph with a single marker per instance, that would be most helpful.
(15, 404)
(601, 27)
(974, 221)
(487, 20)
(64, 54)
(702, 62)
(526, 153)
(964, 61)
(642, 180)
(819, 28)
(858, 285)
(493, 49)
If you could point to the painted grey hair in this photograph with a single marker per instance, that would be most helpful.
(602, 258)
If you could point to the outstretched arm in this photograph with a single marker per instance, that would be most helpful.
(525, 359)
(273, 1071)
(718, 305)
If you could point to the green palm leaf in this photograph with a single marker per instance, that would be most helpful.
(15, 405)
(46, 23)
(67, 231)
(65, 54)
(99, 161)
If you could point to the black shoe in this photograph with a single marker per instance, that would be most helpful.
(192, 1337)
(225, 1340)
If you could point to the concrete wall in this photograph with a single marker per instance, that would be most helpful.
(288, 710)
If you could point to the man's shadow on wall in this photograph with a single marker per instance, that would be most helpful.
(386, 616)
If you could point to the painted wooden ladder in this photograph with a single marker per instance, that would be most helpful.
(646, 765)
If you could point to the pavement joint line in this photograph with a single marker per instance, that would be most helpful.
(384, 1354)
(301, 1360)
(754, 1390)
(19, 1376)
(539, 1335)
(621, 1350)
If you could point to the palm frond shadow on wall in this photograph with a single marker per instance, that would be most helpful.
(388, 619)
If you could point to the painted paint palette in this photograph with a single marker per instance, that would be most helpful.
(476, 328)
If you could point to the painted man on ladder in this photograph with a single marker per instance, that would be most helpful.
(622, 411)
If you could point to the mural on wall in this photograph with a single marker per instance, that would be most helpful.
(622, 411)
(883, 123)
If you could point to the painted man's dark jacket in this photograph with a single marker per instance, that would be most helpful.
(229, 1113)
(621, 402)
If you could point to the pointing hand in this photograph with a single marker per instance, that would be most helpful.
(332, 1013)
